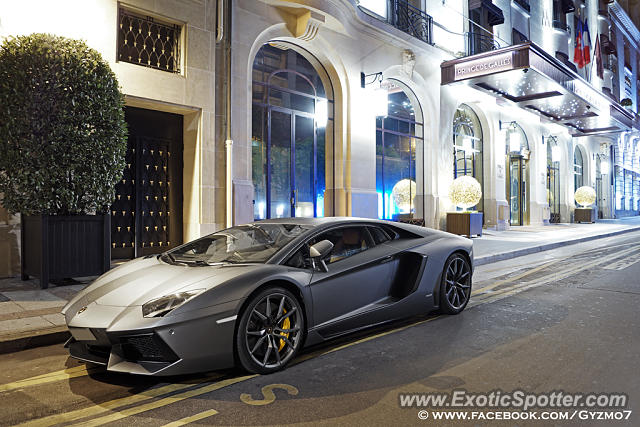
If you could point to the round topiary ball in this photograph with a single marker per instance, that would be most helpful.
(465, 192)
(585, 196)
(62, 129)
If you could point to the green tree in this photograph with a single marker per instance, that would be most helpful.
(62, 129)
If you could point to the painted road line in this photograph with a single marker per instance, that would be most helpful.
(131, 411)
(77, 371)
(113, 404)
(553, 276)
(517, 276)
(578, 267)
(192, 418)
(163, 402)
(623, 263)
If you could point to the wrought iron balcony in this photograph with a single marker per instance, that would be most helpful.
(412, 21)
(478, 43)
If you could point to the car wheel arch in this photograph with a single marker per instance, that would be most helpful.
(436, 290)
(291, 287)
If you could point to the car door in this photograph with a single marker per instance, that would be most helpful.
(359, 275)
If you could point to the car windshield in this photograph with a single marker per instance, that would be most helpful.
(254, 243)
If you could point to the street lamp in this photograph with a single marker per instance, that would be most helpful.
(378, 97)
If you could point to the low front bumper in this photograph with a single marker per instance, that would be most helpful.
(191, 345)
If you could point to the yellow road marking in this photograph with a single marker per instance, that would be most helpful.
(503, 293)
(192, 418)
(164, 401)
(268, 394)
(112, 404)
(516, 277)
(551, 277)
(64, 374)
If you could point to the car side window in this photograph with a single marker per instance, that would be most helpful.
(347, 241)
(379, 235)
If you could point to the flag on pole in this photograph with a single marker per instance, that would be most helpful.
(586, 42)
(597, 58)
(578, 51)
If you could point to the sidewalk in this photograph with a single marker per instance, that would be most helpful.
(30, 316)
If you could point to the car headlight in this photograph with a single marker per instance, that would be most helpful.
(160, 306)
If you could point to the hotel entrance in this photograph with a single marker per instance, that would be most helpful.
(517, 182)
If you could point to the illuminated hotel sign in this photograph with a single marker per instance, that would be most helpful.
(482, 66)
(590, 95)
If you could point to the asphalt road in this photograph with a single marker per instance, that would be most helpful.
(559, 320)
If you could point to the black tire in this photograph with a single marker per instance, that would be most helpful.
(455, 284)
(270, 331)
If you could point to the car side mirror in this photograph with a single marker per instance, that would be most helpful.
(319, 252)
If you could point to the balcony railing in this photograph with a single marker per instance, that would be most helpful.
(412, 21)
(523, 4)
(478, 43)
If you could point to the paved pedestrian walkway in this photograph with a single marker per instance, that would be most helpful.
(30, 316)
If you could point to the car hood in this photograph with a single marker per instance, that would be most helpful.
(139, 281)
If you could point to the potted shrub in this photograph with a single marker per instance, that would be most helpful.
(62, 148)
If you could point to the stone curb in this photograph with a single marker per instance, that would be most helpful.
(530, 250)
(31, 339)
(59, 334)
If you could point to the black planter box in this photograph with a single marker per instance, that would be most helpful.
(59, 246)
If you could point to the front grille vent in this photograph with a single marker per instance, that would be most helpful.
(150, 348)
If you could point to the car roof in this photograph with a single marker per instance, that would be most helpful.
(317, 221)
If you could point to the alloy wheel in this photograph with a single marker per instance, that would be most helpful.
(458, 282)
(273, 330)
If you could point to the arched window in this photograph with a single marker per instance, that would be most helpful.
(467, 145)
(553, 178)
(578, 164)
(290, 113)
(398, 154)
(517, 182)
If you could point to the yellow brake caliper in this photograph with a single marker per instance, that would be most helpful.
(286, 324)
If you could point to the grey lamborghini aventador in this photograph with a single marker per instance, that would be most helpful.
(253, 295)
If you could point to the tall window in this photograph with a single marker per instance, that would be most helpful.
(517, 179)
(398, 149)
(290, 113)
(467, 145)
(578, 164)
(553, 179)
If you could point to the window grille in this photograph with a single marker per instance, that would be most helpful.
(149, 42)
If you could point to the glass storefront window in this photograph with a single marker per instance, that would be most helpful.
(553, 180)
(578, 164)
(290, 115)
(398, 148)
(517, 168)
(627, 175)
(467, 146)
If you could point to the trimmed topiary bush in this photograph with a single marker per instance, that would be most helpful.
(62, 128)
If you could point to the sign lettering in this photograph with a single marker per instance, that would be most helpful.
(479, 67)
